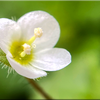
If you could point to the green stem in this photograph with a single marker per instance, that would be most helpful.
(38, 88)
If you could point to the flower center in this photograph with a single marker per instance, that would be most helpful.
(22, 51)
(26, 47)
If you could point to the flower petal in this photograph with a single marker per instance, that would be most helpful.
(26, 71)
(52, 59)
(3, 46)
(9, 31)
(49, 25)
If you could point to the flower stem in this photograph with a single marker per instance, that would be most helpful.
(38, 88)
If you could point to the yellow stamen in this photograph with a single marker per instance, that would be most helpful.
(31, 40)
(22, 54)
(26, 47)
(37, 33)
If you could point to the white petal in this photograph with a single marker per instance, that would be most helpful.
(9, 31)
(52, 59)
(4, 47)
(49, 25)
(26, 71)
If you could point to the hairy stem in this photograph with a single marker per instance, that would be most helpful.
(38, 88)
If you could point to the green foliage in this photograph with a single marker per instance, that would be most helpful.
(3, 60)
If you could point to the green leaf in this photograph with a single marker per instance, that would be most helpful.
(3, 60)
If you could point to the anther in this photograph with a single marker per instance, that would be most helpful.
(26, 50)
(37, 33)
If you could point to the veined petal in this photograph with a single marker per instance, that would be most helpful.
(9, 31)
(52, 59)
(26, 71)
(49, 25)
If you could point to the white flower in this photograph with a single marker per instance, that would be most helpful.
(28, 44)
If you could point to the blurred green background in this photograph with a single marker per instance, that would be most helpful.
(80, 35)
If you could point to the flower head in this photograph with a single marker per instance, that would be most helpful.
(28, 44)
